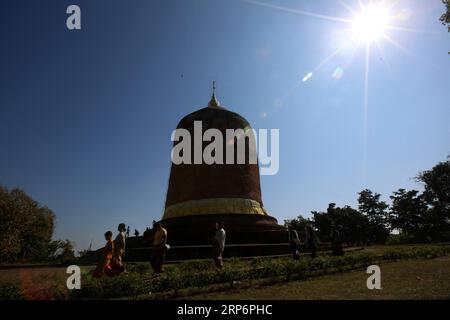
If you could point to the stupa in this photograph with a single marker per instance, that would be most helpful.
(199, 195)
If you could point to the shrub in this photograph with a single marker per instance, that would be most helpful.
(337, 263)
(297, 268)
(140, 268)
(321, 263)
(130, 285)
(10, 291)
(195, 265)
(393, 254)
(427, 252)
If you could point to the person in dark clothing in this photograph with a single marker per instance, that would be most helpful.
(311, 240)
(159, 248)
(294, 241)
(336, 249)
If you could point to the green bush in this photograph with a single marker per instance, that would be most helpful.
(294, 268)
(393, 254)
(196, 265)
(129, 285)
(140, 268)
(321, 263)
(10, 291)
(427, 252)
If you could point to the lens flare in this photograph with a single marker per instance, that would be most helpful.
(337, 74)
(307, 77)
(370, 23)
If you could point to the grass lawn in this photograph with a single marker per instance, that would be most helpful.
(407, 272)
(411, 279)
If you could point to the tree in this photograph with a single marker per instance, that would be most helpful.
(409, 215)
(376, 212)
(425, 217)
(62, 251)
(27, 227)
(437, 184)
(83, 253)
(437, 196)
(352, 225)
(445, 18)
(299, 223)
(68, 252)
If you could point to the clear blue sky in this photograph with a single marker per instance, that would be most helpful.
(86, 116)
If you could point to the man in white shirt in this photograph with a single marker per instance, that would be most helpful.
(294, 242)
(219, 245)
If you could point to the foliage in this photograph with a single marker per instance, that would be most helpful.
(437, 197)
(353, 225)
(445, 18)
(129, 285)
(27, 231)
(418, 217)
(27, 227)
(10, 291)
(299, 223)
(427, 252)
(408, 214)
(400, 238)
(62, 251)
(140, 268)
(425, 217)
(376, 212)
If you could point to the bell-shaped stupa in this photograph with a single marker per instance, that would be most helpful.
(200, 194)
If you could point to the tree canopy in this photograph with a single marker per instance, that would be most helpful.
(27, 227)
(445, 18)
(418, 216)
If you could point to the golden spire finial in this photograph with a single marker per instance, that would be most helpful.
(213, 102)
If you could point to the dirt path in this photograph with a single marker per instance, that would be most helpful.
(38, 283)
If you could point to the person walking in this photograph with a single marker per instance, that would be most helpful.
(159, 248)
(336, 242)
(104, 265)
(294, 241)
(311, 240)
(119, 250)
(218, 245)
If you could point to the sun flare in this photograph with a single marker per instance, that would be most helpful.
(370, 23)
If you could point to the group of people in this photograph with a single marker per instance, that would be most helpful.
(311, 242)
(111, 262)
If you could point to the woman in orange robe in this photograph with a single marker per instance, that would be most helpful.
(104, 266)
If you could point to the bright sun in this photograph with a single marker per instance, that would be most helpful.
(370, 23)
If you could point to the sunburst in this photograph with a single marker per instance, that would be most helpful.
(367, 25)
